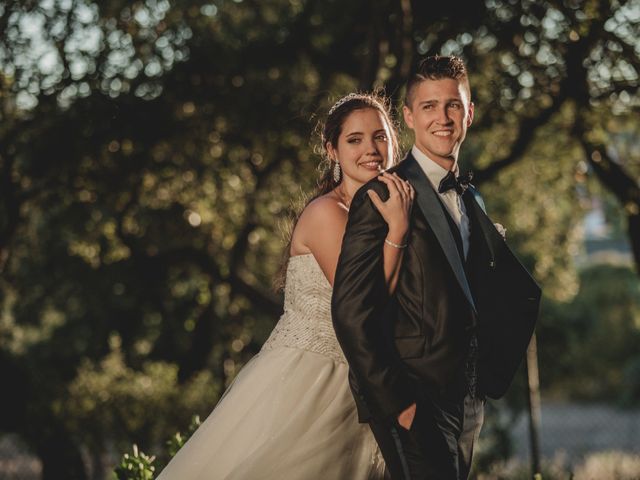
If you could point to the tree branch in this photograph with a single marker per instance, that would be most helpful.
(11, 205)
(618, 181)
(526, 134)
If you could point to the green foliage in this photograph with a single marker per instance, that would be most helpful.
(177, 441)
(109, 401)
(140, 466)
(593, 338)
(631, 380)
(136, 466)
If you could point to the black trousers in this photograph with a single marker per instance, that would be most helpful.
(439, 444)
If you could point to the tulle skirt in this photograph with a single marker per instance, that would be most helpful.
(288, 415)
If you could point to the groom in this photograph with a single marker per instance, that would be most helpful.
(455, 330)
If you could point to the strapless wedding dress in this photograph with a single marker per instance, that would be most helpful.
(289, 414)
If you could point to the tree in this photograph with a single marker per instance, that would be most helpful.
(148, 149)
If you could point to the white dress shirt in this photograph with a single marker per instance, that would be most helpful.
(452, 201)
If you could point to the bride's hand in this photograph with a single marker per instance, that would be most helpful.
(397, 209)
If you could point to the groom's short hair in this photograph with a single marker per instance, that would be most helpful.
(437, 68)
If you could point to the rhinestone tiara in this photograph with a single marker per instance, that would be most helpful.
(345, 99)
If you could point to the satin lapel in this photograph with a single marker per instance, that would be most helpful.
(432, 210)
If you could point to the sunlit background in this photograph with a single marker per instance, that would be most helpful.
(151, 153)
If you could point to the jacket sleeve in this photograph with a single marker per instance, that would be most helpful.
(360, 309)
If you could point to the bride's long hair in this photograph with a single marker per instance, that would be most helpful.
(329, 132)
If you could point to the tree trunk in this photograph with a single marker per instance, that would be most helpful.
(60, 455)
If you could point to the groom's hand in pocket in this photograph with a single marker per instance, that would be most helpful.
(405, 419)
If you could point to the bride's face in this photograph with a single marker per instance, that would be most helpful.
(364, 147)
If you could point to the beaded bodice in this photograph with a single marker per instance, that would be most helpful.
(306, 321)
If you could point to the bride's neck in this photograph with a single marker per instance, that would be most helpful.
(346, 190)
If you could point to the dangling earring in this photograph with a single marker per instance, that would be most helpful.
(336, 172)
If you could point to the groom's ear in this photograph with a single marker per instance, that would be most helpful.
(470, 115)
(408, 116)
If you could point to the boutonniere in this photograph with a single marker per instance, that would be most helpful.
(501, 230)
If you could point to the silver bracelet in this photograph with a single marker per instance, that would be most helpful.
(389, 242)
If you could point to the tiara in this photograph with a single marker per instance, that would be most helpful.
(345, 99)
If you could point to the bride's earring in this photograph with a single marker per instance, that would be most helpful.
(336, 172)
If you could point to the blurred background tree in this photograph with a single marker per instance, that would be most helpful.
(151, 151)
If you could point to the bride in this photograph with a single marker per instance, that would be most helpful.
(289, 414)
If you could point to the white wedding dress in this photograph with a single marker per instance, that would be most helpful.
(289, 414)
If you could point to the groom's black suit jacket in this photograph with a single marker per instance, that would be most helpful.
(418, 338)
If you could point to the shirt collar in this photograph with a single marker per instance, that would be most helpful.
(434, 172)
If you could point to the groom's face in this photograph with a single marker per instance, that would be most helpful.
(439, 114)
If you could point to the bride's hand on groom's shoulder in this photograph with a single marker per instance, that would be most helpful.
(396, 210)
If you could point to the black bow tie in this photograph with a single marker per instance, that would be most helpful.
(459, 184)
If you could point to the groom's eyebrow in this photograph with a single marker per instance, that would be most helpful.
(434, 101)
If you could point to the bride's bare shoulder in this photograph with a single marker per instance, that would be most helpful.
(322, 216)
(319, 230)
(324, 209)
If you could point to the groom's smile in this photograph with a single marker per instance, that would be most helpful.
(443, 133)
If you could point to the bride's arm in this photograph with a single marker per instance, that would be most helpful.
(395, 211)
(321, 225)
